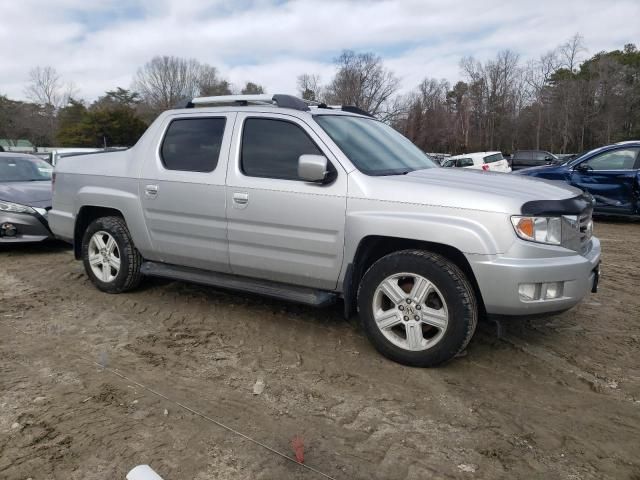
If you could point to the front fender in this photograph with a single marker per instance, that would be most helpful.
(466, 235)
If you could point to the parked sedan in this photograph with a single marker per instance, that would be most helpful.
(611, 174)
(491, 161)
(25, 198)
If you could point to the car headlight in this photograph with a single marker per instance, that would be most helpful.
(539, 229)
(15, 207)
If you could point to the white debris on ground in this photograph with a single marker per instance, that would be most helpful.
(468, 467)
(258, 387)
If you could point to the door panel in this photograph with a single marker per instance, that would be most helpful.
(614, 191)
(186, 216)
(285, 230)
(612, 179)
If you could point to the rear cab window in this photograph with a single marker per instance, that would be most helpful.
(193, 144)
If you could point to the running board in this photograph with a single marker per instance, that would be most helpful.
(282, 291)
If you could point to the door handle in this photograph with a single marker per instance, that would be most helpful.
(240, 198)
(150, 190)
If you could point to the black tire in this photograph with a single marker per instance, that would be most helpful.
(454, 287)
(128, 276)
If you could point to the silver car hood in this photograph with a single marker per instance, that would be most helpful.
(466, 188)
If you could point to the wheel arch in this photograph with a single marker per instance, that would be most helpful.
(86, 215)
(373, 247)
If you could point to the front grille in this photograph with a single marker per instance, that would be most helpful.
(585, 229)
(577, 231)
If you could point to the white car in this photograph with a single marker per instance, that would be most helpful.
(488, 161)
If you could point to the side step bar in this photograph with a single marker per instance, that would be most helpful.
(292, 293)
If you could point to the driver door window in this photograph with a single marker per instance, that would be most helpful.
(624, 159)
(271, 148)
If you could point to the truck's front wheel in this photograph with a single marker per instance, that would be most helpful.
(417, 308)
(110, 258)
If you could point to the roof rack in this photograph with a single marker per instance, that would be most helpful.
(277, 100)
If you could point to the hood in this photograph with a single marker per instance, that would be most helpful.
(467, 189)
(541, 168)
(33, 194)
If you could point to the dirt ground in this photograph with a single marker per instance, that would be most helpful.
(555, 397)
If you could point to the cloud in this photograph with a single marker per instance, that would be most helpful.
(99, 44)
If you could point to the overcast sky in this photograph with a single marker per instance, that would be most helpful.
(99, 44)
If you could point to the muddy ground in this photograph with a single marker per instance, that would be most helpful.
(556, 397)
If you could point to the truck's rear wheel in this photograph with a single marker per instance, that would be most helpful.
(417, 308)
(110, 258)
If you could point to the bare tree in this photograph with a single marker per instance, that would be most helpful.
(210, 83)
(310, 87)
(363, 81)
(538, 74)
(164, 81)
(45, 87)
(570, 52)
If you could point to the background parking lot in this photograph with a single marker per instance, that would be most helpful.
(556, 397)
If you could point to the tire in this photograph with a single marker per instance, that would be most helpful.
(117, 249)
(428, 319)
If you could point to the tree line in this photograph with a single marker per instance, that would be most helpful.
(560, 102)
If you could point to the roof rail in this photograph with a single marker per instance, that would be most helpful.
(279, 100)
(344, 108)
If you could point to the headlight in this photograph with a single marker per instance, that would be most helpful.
(15, 207)
(539, 229)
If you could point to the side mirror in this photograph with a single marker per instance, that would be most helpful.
(312, 168)
(583, 167)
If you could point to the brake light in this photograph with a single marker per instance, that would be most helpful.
(485, 167)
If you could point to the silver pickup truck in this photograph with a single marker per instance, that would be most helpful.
(311, 203)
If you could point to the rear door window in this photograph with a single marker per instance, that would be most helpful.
(193, 144)
(465, 162)
(271, 148)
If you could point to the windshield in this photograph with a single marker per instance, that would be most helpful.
(373, 147)
(24, 169)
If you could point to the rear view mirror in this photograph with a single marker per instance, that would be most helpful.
(312, 168)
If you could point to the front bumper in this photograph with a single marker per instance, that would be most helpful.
(29, 227)
(499, 277)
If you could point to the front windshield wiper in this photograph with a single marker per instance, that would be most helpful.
(387, 173)
(25, 180)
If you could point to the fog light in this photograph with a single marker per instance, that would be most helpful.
(8, 230)
(552, 290)
(529, 291)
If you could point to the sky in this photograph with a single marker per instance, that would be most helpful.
(99, 44)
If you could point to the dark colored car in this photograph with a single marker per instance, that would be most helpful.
(25, 198)
(532, 158)
(611, 174)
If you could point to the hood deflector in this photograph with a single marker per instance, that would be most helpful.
(568, 206)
